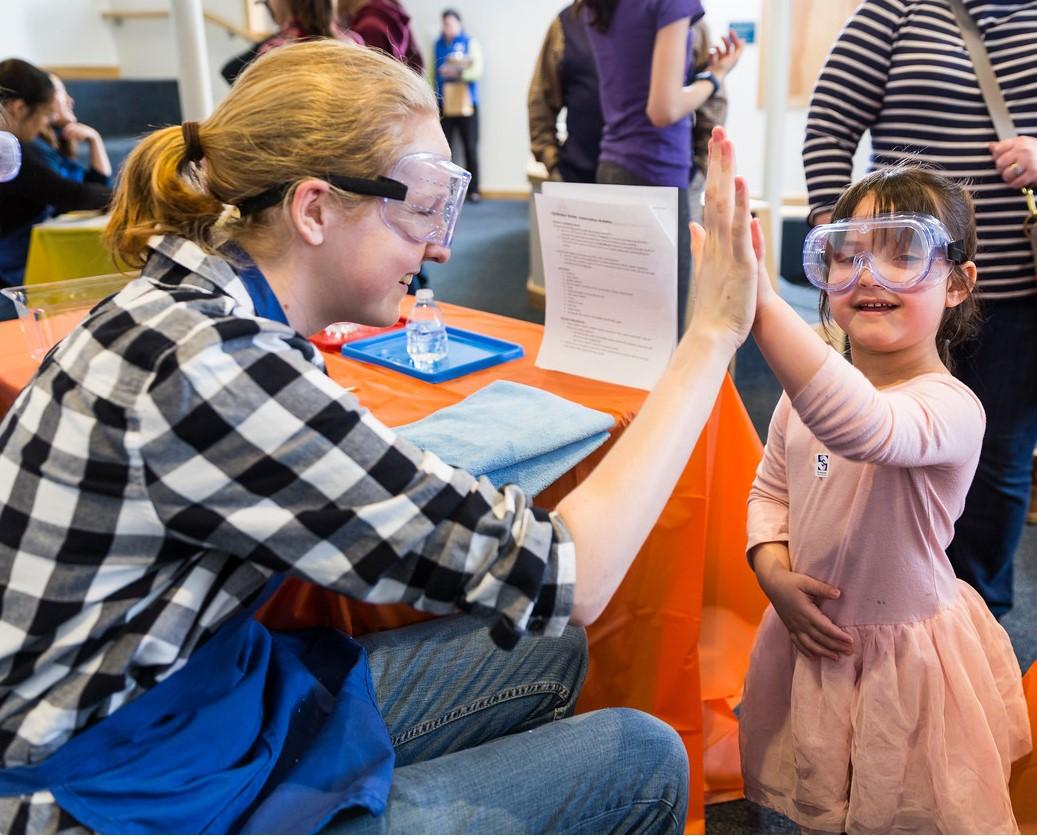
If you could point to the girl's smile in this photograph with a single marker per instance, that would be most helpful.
(873, 306)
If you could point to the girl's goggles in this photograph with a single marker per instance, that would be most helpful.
(10, 156)
(902, 251)
(421, 198)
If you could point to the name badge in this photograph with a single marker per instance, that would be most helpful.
(821, 463)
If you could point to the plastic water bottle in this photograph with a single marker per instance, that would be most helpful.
(426, 333)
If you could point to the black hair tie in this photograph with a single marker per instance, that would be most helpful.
(193, 151)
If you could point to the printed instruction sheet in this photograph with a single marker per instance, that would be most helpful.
(610, 275)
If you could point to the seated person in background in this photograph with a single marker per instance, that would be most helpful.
(39, 191)
(296, 20)
(59, 141)
(384, 25)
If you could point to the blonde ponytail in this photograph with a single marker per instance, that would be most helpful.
(159, 193)
(305, 110)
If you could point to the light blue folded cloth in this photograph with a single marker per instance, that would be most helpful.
(512, 434)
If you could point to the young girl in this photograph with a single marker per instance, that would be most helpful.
(183, 448)
(882, 696)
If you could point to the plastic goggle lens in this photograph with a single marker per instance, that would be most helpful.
(10, 156)
(436, 190)
(899, 255)
(901, 252)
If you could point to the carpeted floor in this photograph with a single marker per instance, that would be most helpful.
(488, 270)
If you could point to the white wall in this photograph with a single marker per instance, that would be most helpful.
(746, 121)
(72, 32)
(146, 48)
(65, 32)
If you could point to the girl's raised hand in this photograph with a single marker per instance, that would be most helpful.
(765, 292)
(726, 269)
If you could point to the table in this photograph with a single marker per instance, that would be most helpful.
(68, 247)
(675, 639)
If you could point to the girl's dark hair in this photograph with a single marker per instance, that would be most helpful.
(21, 80)
(912, 188)
(601, 12)
(452, 13)
(313, 16)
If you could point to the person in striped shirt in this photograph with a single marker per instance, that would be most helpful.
(900, 69)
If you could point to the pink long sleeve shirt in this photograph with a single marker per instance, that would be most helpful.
(865, 485)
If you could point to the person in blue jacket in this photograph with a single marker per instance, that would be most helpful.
(183, 449)
(458, 68)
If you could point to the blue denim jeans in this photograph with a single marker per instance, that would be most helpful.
(1000, 366)
(485, 742)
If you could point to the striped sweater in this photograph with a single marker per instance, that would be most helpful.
(901, 69)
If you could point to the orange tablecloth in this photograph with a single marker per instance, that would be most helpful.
(16, 366)
(675, 640)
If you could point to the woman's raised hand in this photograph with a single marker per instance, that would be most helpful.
(726, 268)
(724, 56)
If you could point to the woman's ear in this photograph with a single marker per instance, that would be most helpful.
(309, 212)
(958, 291)
(16, 110)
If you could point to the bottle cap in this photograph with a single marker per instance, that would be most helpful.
(424, 295)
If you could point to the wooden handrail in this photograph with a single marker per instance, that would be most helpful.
(229, 26)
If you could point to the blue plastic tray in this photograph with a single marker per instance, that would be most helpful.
(467, 352)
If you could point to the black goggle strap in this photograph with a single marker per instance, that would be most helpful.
(382, 187)
(956, 252)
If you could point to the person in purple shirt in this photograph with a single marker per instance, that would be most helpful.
(641, 50)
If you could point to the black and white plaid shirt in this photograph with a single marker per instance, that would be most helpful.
(175, 451)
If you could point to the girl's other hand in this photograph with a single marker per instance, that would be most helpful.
(725, 266)
(794, 598)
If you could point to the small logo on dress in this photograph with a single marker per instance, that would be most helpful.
(821, 465)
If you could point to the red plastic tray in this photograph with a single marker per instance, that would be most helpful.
(338, 334)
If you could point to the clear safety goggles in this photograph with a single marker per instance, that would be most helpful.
(10, 156)
(902, 251)
(422, 197)
(436, 189)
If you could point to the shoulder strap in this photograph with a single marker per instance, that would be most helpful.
(992, 95)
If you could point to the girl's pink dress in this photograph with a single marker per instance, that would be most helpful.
(916, 731)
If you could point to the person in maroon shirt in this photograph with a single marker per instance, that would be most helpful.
(296, 20)
(384, 25)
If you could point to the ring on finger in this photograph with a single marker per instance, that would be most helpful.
(1016, 170)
